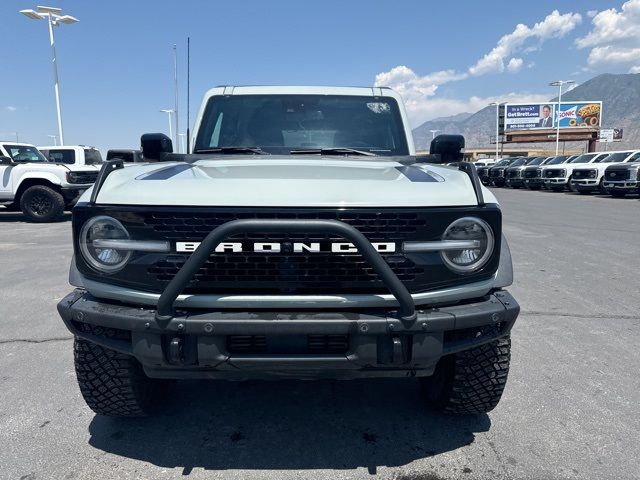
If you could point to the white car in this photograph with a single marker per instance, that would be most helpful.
(557, 178)
(40, 188)
(587, 179)
(78, 155)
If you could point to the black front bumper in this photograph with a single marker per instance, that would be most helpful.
(72, 194)
(515, 182)
(200, 344)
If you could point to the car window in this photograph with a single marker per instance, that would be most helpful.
(62, 156)
(633, 158)
(92, 156)
(24, 153)
(615, 157)
(585, 158)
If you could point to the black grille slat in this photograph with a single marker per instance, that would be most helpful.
(554, 173)
(85, 177)
(615, 174)
(287, 344)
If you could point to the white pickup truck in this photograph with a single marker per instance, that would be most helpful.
(41, 188)
(558, 177)
(591, 177)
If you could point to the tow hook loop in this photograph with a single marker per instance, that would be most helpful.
(175, 351)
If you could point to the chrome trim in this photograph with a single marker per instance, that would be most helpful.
(134, 245)
(127, 295)
(439, 246)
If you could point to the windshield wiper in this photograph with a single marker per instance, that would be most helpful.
(331, 151)
(254, 150)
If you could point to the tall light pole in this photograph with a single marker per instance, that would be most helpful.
(182, 137)
(497, 104)
(55, 139)
(175, 89)
(54, 18)
(559, 84)
(433, 133)
(169, 111)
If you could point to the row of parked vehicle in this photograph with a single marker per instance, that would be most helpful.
(45, 181)
(615, 173)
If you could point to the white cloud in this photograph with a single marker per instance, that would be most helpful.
(555, 25)
(615, 36)
(514, 65)
(612, 26)
(11, 108)
(635, 69)
(419, 112)
(592, 13)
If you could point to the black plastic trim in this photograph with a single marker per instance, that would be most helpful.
(107, 167)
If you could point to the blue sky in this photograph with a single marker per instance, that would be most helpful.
(445, 57)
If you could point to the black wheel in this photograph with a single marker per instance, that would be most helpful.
(571, 187)
(617, 194)
(113, 383)
(41, 204)
(470, 382)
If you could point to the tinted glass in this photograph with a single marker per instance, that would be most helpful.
(537, 161)
(281, 123)
(557, 160)
(62, 156)
(586, 158)
(92, 156)
(24, 153)
(518, 162)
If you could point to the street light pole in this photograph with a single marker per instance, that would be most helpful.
(54, 18)
(55, 139)
(182, 137)
(559, 83)
(497, 104)
(175, 89)
(169, 111)
(433, 133)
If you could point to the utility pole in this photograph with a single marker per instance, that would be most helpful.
(175, 88)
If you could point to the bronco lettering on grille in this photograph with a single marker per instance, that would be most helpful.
(293, 247)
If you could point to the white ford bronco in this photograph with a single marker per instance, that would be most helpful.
(42, 188)
(300, 237)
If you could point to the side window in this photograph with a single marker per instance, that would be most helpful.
(62, 156)
(635, 157)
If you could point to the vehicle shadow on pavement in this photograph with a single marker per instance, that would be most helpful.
(288, 425)
(7, 216)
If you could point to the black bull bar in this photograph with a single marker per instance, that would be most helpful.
(165, 312)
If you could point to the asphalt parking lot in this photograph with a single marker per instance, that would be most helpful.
(570, 409)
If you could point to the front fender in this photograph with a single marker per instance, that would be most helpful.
(47, 176)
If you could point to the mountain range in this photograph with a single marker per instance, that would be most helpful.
(620, 95)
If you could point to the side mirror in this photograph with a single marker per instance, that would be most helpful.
(6, 160)
(154, 145)
(448, 147)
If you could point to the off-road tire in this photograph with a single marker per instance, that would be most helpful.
(470, 382)
(41, 204)
(113, 383)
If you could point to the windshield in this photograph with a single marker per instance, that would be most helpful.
(92, 156)
(537, 161)
(518, 162)
(503, 163)
(557, 160)
(586, 158)
(615, 157)
(282, 123)
(24, 153)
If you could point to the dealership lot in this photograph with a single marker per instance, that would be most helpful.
(569, 411)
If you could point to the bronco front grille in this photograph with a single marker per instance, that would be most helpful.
(288, 272)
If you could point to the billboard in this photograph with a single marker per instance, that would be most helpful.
(530, 116)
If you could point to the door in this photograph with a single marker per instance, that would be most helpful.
(5, 177)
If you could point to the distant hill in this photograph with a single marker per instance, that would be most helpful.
(620, 95)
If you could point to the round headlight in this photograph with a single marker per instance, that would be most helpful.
(468, 260)
(107, 260)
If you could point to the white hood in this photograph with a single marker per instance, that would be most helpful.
(286, 181)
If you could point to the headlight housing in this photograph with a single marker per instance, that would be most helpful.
(468, 260)
(105, 260)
